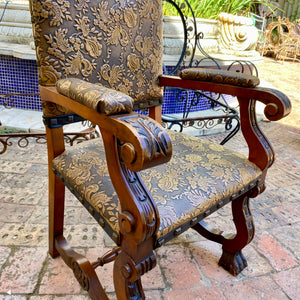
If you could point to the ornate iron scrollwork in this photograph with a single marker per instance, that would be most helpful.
(227, 115)
(23, 138)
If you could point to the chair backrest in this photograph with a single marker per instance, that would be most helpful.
(115, 43)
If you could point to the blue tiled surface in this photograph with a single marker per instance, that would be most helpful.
(20, 76)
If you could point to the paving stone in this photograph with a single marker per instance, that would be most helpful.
(289, 282)
(180, 270)
(20, 275)
(269, 198)
(257, 264)
(153, 295)
(266, 218)
(41, 297)
(22, 196)
(222, 223)
(71, 297)
(12, 297)
(84, 235)
(4, 254)
(289, 193)
(15, 213)
(32, 153)
(15, 167)
(72, 216)
(279, 257)
(253, 289)
(24, 235)
(290, 212)
(278, 178)
(211, 293)
(207, 255)
(58, 279)
(189, 236)
(289, 236)
(21, 181)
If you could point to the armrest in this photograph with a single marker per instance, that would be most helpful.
(219, 76)
(96, 97)
(143, 142)
(277, 104)
(132, 142)
(277, 107)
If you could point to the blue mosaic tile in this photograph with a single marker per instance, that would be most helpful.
(19, 76)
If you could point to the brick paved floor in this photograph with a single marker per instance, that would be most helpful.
(187, 267)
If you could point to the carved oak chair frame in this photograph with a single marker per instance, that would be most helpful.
(136, 149)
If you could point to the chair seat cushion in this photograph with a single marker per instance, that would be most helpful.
(200, 177)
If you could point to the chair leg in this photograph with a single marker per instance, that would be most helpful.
(232, 258)
(55, 145)
(127, 276)
(56, 212)
(125, 287)
(83, 270)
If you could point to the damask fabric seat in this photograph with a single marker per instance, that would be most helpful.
(201, 177)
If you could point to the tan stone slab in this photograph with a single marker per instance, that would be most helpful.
(58, 279)
(15, 234)
(289, 282)
(29, 182)
(4, 254)
(255, 288)
(279, 257)
(84, 235)
(289, 236)
(21, 273)
(15, 167)
(22, 196)
(11, 213)
(73, 215)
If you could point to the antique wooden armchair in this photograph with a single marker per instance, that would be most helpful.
(100, 61)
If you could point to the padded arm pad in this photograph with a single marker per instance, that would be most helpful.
(220, 76)
(96, 97)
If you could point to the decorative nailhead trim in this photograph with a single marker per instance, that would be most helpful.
(101, 222)
(220, 204)
(115, 238)
(207, 213)
(177, 231)
(91, 210)
(194, 221)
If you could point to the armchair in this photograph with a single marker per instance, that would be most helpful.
(144, 185)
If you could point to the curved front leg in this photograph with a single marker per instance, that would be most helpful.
(232, 258)
(139, 218)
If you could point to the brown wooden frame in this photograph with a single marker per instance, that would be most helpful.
(139, 222)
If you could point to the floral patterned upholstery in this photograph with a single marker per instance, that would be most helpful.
(220, 76)
(115, 43)
(179, 194)
(97, 97)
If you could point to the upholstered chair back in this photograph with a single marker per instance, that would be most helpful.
(117, 44)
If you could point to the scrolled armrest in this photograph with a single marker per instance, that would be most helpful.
(277, 103)
(94, 96)
(220, 76)
(152, 146)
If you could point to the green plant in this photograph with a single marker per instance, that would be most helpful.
(210, 9)
(5, 130)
